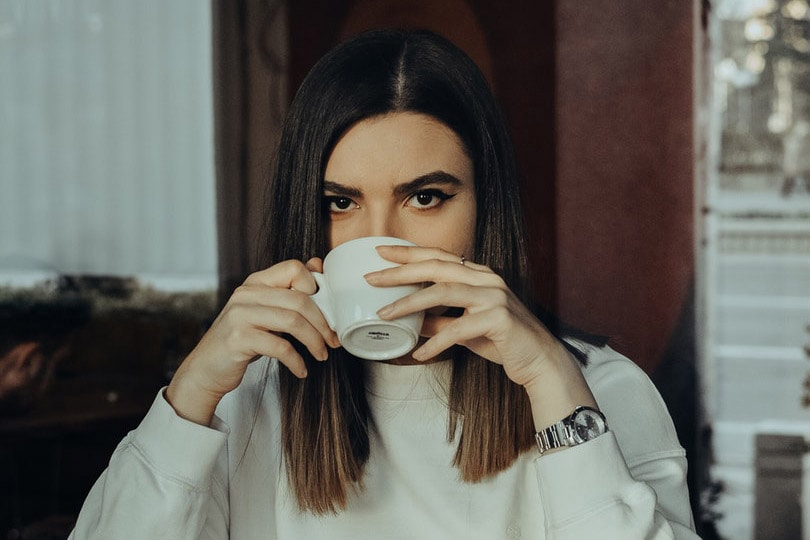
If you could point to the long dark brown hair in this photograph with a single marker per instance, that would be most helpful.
(325, 428)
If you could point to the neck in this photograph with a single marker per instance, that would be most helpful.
(408, 360)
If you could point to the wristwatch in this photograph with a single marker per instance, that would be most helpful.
(584, 424)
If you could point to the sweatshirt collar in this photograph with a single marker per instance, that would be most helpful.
(409, 383)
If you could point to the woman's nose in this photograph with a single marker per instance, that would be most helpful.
(383, 224)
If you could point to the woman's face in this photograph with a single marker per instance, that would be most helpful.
(405, 175)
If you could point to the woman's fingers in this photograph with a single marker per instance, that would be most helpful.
(496, 334)
(411, 254)
(266, 344)
(435, 271)
(287, 285)
(315, 264)
(418, 265)
(274, 302)
(286, 299)
(286, 275)
(460, 295)
(262, 318)
(494, 323)
(471, 332)
(279, 321)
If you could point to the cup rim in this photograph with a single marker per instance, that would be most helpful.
(383, 241)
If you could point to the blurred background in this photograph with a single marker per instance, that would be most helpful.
(664, 147)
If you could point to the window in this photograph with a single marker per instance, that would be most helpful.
(106, 142)
(108, 248)
(755, 264)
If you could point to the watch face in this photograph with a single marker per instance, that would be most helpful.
(588, 425)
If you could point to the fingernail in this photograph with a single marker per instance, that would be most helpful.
(418, 354)
(385, 311)
(371, 277)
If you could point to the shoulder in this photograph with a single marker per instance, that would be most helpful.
(607, 369)
(635, 411)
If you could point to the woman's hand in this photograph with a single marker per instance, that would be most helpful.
(270, 304)
(494, 324)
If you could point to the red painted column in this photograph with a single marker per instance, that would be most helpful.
(624, 199)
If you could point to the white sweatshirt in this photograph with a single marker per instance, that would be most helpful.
(172, 479)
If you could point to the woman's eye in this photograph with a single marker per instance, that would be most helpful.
(340, 204)
(428, 199)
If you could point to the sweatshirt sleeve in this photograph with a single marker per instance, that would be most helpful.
(629, 484)
(166, 479)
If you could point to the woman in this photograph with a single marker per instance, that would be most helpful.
(270, 430)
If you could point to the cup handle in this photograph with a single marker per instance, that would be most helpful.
(321, 299)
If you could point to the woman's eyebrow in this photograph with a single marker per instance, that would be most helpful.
(340, 190)
(431, 178)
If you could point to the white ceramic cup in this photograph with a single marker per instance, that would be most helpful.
(349, 303)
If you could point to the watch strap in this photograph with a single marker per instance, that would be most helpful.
(561, 434)
(551, 437)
